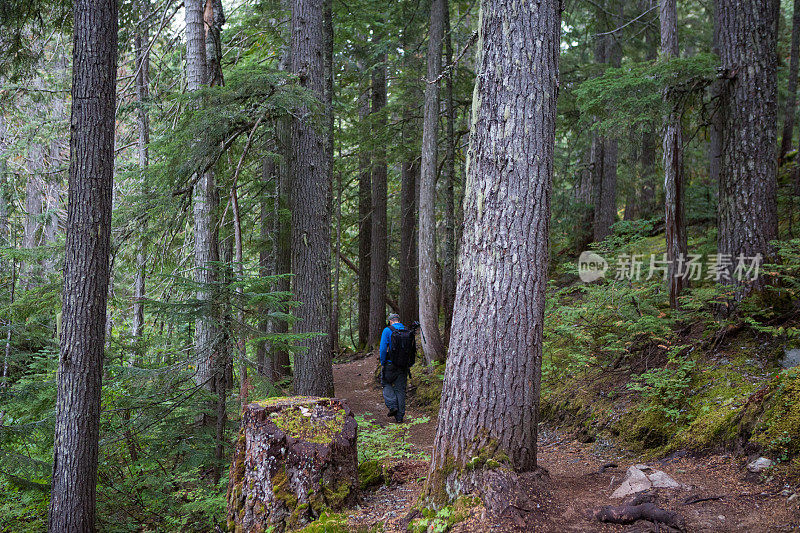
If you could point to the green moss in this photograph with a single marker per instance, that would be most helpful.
(336, 496)
(779, 427)
(282, 490)
(327, 523)
(370, 473)
(297, 422)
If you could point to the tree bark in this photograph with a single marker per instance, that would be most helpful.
(266, 257)
(329, 147)
(791, 90)
(449, 262)
(86, 273)
(675, 215)
(379, 253)
(409, 292)
(491, 387)
(647, 155)
(748, 173)
(364, 223)
(605, 211)
(311, 231)
(142, 66)
(432, 345)
(206, 251)
(281, 366)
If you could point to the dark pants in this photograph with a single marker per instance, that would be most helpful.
(393, 380)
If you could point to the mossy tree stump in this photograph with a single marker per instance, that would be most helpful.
(294, 458)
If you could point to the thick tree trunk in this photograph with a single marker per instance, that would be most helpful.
(142, 66)
(432, 345)
(206, 251)
(748, 181)
(86, 273)
(379, 253)
(449, 262)
(791, 90)
(311, 231)
(364, 223)
(675, 216)
(491, 389)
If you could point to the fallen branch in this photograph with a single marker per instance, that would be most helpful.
(628, 514)
(694, 499)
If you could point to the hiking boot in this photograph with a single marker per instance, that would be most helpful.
(398, 419)
(392, 413)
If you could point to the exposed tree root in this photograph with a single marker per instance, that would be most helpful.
(628, 514)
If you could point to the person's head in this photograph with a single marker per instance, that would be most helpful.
(394, 318)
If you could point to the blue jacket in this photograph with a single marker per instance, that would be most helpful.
(386, 340)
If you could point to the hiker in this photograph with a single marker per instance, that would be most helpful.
(398, 352)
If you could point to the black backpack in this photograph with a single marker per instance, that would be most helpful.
(402, 347)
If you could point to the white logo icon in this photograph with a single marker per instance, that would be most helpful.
(591, 267)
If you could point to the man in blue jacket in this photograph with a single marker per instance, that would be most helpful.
(393, 378)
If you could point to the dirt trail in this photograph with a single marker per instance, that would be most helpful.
(576, 485)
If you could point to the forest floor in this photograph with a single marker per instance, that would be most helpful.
(578, 483)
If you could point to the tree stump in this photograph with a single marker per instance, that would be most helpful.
(294, 458)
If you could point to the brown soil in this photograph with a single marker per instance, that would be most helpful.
(576, 486)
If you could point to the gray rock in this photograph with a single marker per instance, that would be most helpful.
(635, 481)
(791, 358)
(662, 480)
(759, 465)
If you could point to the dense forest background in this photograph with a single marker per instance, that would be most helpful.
(234, 275)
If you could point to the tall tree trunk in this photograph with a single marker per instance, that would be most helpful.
(311, 231)
(214, 18)
(409, 293)
(748, 175)
(86, 273)
(142, 66)
(329, 147)
(449, 262)
(675, 216)
(379, 253)
(206, 251)
(605, 212)
(584, 195)
(5, 240)
(717, 119)
(266, 258)
(791, 90)
(364, 222)
(491, 389)
(647, 155)
(432, 344)
(596, 161)
(281, 366)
